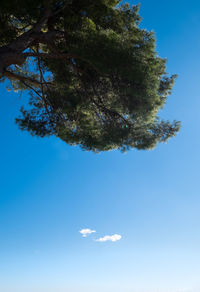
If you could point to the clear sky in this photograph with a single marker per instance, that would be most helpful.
(50, 191)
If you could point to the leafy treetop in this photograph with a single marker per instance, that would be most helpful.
(93, 74)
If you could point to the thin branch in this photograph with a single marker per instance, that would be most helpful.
(29, 86)
(109, 111)
(41, 81)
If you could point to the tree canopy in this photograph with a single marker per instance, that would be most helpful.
(93, 75)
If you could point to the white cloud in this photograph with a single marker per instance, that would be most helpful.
(85, 232)
(113, 238)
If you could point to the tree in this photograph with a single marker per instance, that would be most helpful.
(93, 74)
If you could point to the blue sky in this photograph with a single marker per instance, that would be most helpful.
(49, 191)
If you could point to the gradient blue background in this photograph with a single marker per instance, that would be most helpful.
(49, 191)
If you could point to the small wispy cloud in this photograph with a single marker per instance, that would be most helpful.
(87, 231)
(113, 238)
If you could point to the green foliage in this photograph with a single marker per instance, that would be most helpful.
(99, 83)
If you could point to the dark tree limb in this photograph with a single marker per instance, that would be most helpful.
(17, 77)
(12, 53)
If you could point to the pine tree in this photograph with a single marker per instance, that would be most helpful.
(93, 74)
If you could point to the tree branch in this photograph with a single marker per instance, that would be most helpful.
(29, 86)
(48, 55)
(18, 77)
(24, 40)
